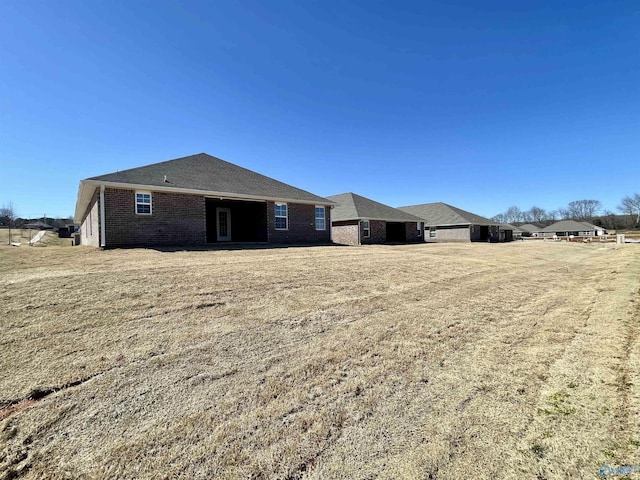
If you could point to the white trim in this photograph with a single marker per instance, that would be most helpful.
(83, 200)
(236, 199)
(324, 218)
(368, 229)
(403, 220)
(275, 217)
(103, 233)
(226, 238)
(143, 192)
(330, 225)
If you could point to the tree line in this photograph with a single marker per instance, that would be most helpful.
(580, 210)
(10, 219)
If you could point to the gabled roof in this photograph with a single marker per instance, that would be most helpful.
(508, 226)
(199, 174)
(442, 214)
(355, 207)
(591, 226)
(38, 225)
(530, 227)
(569, 226)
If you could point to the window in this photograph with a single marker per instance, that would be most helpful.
(432, 233)
(320, 224)
(143, 203)
(366, 231)
(281, 216)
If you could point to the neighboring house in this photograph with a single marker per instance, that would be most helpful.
(509, 233)
(357, 220)
(530, 230)
(39, 225)
(446, 223)
(566, 228)
(598, 230)
(197, 200)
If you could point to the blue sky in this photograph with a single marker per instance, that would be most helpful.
(481, 104)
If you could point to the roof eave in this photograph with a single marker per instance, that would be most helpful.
(376, 219)
(84, 196)
(206, 193)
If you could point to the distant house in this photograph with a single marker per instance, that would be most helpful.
(357, 220)
(197, 200)
(39, 225)
(509, 232)
(529, 229)
(566, 228)
(446, 223)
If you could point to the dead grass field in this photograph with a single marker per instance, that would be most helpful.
(482, 361)
(22, 235)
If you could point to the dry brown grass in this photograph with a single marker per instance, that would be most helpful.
(425, 361)
(22, 236)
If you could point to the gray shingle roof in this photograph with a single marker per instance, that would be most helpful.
(529, 227)
(209, 174)
(569, 226)
(508, 226)
(355, 207)
(441, 214)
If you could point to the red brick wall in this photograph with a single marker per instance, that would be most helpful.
(413, 234)
(346, 233)
(180, 219)
(378, 230)
(302, 225)
(176, 219)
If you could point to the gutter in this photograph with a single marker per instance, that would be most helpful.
(102, 222)
(206, 193)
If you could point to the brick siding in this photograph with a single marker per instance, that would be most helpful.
(301, 225)
(413, 234)
(345, 233)
(180, 219)
(176, 219)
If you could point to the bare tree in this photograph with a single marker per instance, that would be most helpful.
(513, 214)
(611, 221)
(536, 214)
(7, 217)
(499, 218)
(630, 205)
(582, 210)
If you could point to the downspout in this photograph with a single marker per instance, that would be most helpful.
(330, 225)
(102, 232)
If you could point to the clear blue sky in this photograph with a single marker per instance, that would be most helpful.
(481, 104)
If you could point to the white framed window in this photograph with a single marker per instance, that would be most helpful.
(432, 233)
(282, 216)
(366, 229)
(143, 203)
(320, 220)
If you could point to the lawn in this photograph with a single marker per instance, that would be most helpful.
(443, 361)
(23, 235)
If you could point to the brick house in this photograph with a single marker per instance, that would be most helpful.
(446, 223)
(357, 220)
(567, 228)
(196, 201)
